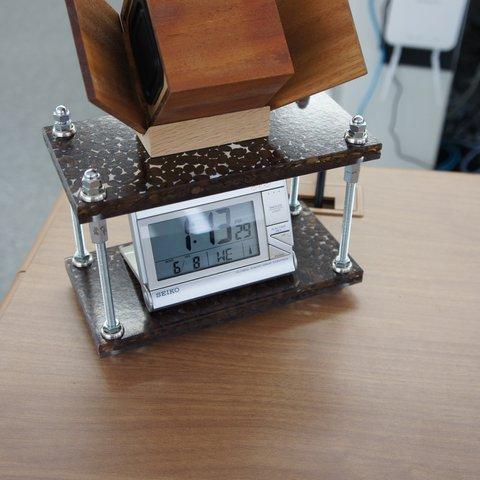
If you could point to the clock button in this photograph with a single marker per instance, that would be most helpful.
(285, 237)
(275, 252)
(278, 228)
(275, 203)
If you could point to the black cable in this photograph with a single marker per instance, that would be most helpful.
(395, 108)
(320, 189)
(393, 124)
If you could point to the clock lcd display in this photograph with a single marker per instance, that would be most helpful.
(204, 239)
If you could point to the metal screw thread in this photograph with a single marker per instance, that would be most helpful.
(343, 258)
(111, 325)
(295, 191)
(81, 257)
(294, 204)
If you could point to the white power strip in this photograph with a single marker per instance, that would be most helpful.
(425, 24)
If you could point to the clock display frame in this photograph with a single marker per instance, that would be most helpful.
(149, 259)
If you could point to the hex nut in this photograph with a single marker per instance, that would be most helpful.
(92, 188)
(61, 114)
(358, 125)
(357, 133)
(63, 126)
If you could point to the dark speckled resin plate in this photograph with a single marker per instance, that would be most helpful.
(300, 142)
(315, 249)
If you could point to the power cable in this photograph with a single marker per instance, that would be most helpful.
(393, 124)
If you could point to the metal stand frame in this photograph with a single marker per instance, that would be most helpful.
(93, 191)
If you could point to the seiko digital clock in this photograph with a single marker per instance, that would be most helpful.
(200, 247)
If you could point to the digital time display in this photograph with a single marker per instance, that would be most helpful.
(204, 239)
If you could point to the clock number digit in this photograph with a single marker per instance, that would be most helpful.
(226, 225)
(212, 228)
(239, 229)
(246, 229)
(188, 238)
(196, 263)
(176, 268)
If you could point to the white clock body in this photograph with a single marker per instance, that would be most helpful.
(208, 245)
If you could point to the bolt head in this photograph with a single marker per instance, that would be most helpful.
(340, 267)
(296, 210)
(358, 124)
(91, 182)
(61, 114)
(357, 119)
(92, 189)
(82, 261)
(357, 132)
(110, 334)
(63, 126)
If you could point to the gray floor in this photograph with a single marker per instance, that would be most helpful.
(38, 70)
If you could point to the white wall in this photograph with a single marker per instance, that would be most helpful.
(421, 115)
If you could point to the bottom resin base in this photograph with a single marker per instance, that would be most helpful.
(315, 249)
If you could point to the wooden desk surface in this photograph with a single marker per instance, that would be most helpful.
(378, 381)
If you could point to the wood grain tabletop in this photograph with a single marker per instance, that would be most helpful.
(377, 381)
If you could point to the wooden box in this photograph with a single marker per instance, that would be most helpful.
(215, 56)
(210, 70)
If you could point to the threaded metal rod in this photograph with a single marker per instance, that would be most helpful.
(295, 206)
(112, 329)
(342, 263)
(343, 258)
(355, 136)
(111, 325)
(81, 257)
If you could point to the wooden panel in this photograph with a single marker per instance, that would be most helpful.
(219, 56)
(378, 381)
(323, 45)
(125, 17)
(206, 132)
(216, 100)
(99, 41)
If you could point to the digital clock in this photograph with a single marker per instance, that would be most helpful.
(204, 246)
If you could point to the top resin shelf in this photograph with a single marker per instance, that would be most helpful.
(301, 141)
